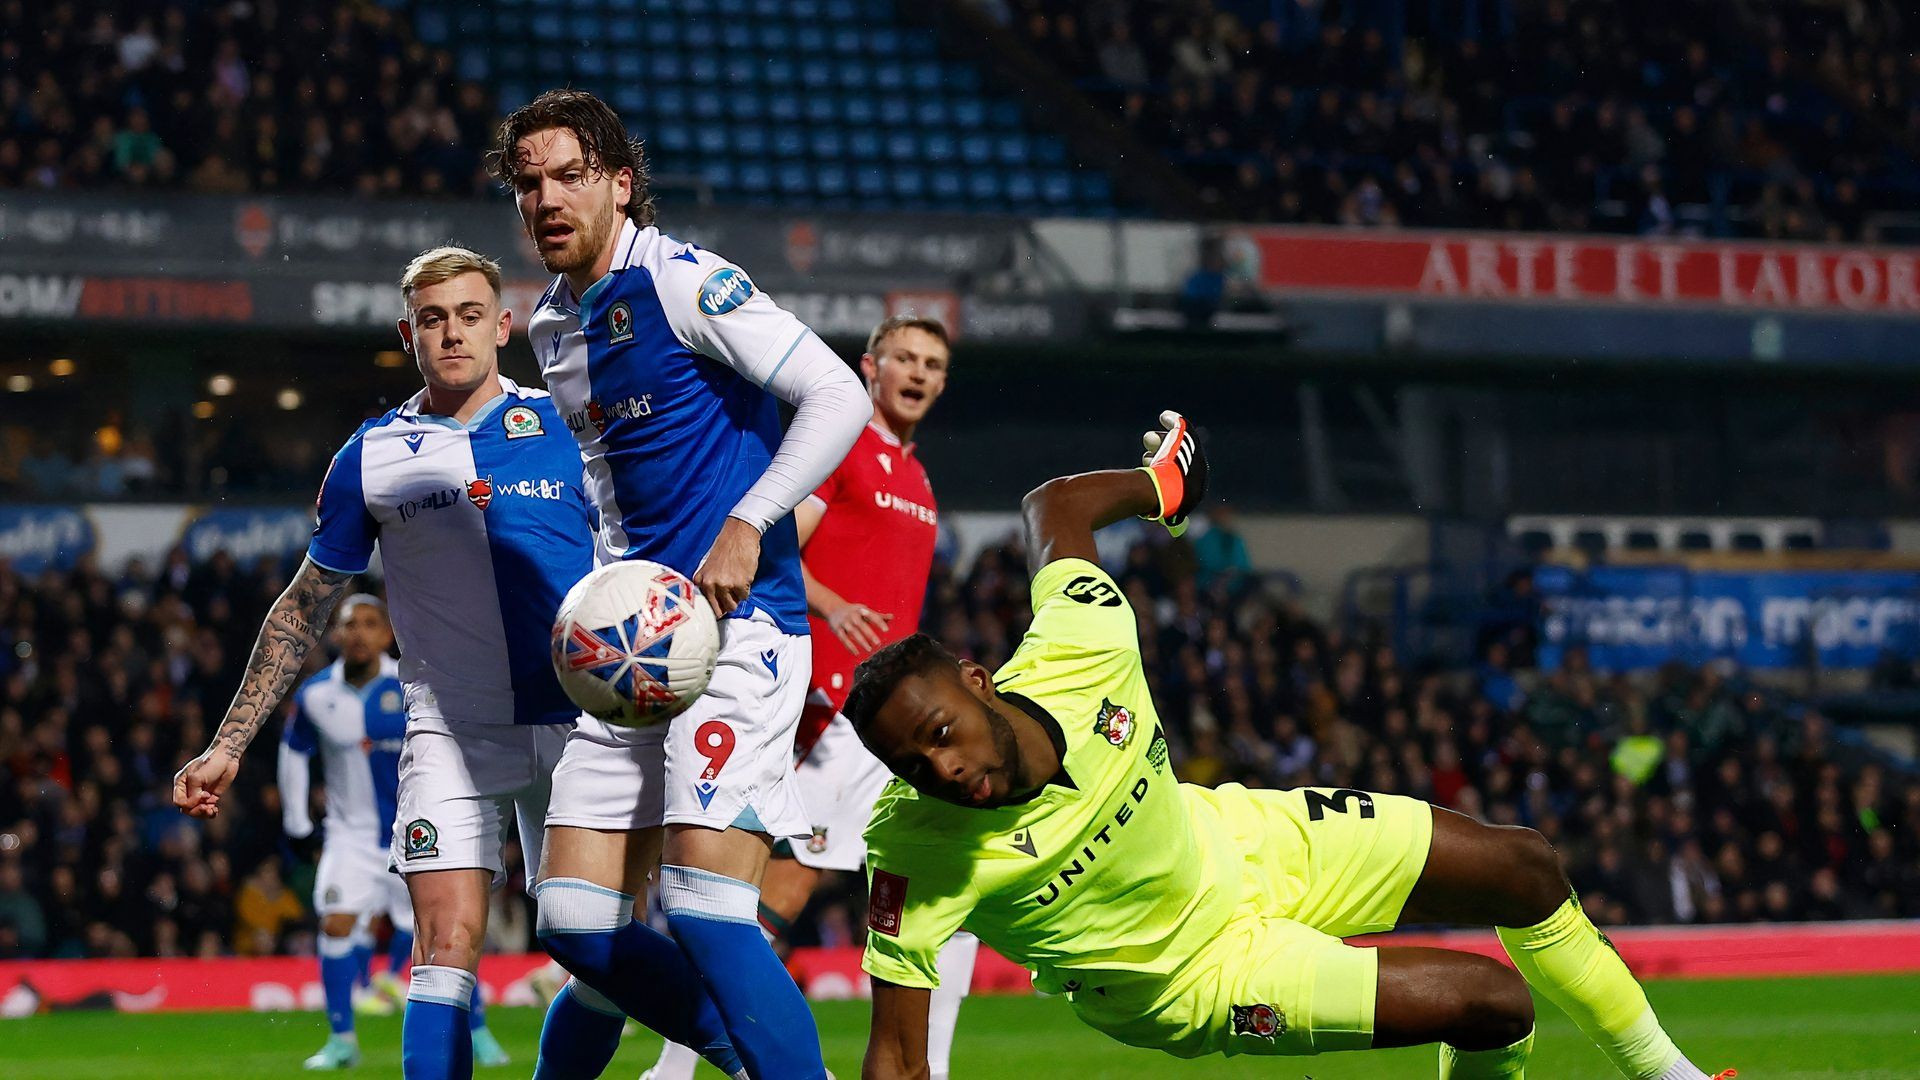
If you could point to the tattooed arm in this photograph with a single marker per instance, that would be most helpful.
(293, 627)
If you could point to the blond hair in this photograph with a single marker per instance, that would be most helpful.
(906, 322)
(442, 264)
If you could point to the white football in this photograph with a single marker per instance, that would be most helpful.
(634, 643)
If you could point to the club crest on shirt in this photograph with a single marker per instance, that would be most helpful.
(521, 422)
(1115, 723)
(390, 701)
(422, 839)
(619, 323)
(1259, 1021)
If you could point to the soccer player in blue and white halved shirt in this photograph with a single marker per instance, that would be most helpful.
(472, 492)
(670, 368)
(352, 715)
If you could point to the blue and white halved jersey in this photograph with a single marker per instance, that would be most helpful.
(670, 371)
(482, 528)
(358, 732)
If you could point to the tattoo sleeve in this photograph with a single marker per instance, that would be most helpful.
(293, 627)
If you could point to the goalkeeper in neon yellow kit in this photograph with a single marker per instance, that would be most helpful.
(1039, 811)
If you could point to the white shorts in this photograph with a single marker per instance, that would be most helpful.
(839, 782)
(458, 784)
(726, 761)
(355, 879)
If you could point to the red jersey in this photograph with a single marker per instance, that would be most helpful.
(873, 546)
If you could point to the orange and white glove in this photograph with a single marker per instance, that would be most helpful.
(1178, 468)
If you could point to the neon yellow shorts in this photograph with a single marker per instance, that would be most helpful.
(1321, 864)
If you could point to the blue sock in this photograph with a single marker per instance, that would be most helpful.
(399, 952)
(476, 1010)
(337, 969)
(715, 919)
(580, 1036)
(434, 1043)
(362, 957)
(592, 933)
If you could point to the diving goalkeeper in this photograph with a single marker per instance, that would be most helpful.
(1040, 812)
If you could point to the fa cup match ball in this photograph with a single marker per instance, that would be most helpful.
(635, 643)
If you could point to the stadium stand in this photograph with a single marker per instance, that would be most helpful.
(1693, 798)
(1564, 115)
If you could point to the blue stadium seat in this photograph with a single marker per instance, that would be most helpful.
(821, 108)
(831, 181)
(841, 11)
(896, 111)
(630, 99)
(778, 71)
(870, 181)
(550, 64)
(512, 95)
(1048, 150)
(884, 42)
(919, 44)
(720, 174)
(977, 150)
(473, 65)
(863, 144)
(623, 32)
(1004, 115)
(816, 74)
(925, 78)
(769, 9)
(932, 113)
(628, 67)
(983, 185)
(670, 101)
(810, 39)
(431, 26)
(846, 41)
(1094, 188)
(590, 63)
(743, 70)
(783, 107)
(701, 35)
(854, 74)
(733, 9)
(938, 146)
(1022, 188)
(675, 139)
(703, 69)
(795, 179)
(827, 144)
(969, 113)
(745, 103)
(549, 27)
(903, 146)
(949, 188)
(774, 37)
(789, 143)
(909, 182)
(1013, 150)
(707, 104)
(661, 33)
(1056, 187)
(877, 11)
(711, 141)
(666, 67)
(755, 178)
(750, 140)
(623, 7)
(803, 11)
(889, 77)
(859, 110)
(736, 37)
(585, 28)
(960, 78)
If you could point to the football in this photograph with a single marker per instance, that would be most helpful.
(634, 643)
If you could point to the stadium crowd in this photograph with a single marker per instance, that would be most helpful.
(1575, 115)
(1692, 799)
(306, 95)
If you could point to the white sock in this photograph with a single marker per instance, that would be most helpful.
(676, 1063)
(955, 968)
(1682, 1069)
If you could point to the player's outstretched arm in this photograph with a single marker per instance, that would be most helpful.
(897, 1045)
(1062, 515)
(292, 628)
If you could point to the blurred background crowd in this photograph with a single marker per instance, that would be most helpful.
(1686, 797)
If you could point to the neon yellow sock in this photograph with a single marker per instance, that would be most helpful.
(1567, 959)
(1506, 1063)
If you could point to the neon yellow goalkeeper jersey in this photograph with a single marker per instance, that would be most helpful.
(1105, 871)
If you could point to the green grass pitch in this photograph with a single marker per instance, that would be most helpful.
(1865, 1027)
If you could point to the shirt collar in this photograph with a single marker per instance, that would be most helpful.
(411, 409)
(888, 437)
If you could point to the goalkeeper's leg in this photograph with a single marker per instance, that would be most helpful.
(1511, 878)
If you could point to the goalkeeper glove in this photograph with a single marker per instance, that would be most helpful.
(1178, 468)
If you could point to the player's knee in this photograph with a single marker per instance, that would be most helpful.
(448, 943)
(576, 920)
(337, 926)
(1496, 1008)
(1535, 884)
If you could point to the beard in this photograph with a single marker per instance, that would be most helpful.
(589, 239)
(1008, 747)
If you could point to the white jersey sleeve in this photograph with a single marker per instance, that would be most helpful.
(717, 311)
(295, 778)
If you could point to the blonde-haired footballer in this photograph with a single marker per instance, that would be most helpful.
(1037, 809)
